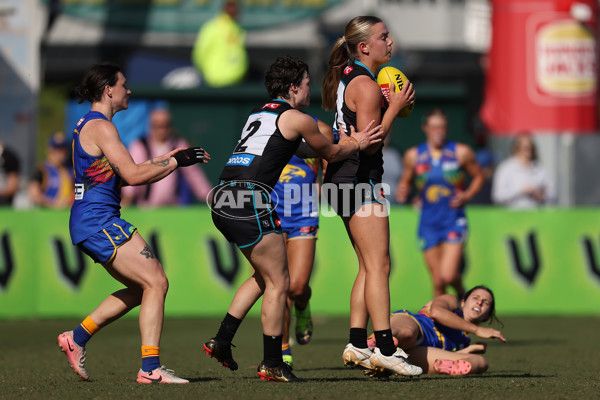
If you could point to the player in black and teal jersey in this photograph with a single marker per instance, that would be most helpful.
(243, 211)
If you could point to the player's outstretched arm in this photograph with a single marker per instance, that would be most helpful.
(106, 138)
(191, 156)
(489, 333)
(475, 348)
(295, 123)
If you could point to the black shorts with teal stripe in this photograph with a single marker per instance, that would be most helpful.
(347, 198)
(102, 246)
(244, 213)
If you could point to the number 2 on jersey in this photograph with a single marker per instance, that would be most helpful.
(252, 129)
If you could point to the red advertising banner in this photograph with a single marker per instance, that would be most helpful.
(542, 67)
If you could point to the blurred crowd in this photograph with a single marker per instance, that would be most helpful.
(519, 181)
(51, 184)
(220, 58)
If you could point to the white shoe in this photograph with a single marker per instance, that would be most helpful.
(356, 357)
(159, 375)
(396, 363)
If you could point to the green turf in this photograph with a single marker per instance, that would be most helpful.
(546, 358)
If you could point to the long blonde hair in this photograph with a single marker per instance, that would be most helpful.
(356, 31)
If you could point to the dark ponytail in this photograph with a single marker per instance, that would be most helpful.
(94, 81)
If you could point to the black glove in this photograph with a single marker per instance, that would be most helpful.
(189, 156)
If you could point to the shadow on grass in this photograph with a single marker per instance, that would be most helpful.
(325, 369)
(334, 341)
(487, 376)
(530, 342)
(511, 375)
(346, 379)
(204, 379)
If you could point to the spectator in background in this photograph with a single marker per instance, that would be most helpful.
(180, 187)
(219, 52)
(9, 175)
(52, 183)
(520, 181)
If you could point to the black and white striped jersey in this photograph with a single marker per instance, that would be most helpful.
(262, 152)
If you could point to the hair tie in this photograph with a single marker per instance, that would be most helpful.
(345, 44)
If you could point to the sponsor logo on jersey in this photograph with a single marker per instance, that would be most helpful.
(450, 165)
(241, 160)
(347, 70)
(271, 105)
(80, 121)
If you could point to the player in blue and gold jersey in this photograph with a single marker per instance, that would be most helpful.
(438, 168)
(296, 198)
(437, 337)
(101, 165)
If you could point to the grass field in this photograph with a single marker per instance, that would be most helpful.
(545, 358)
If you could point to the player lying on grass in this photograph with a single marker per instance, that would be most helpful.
(437, 337)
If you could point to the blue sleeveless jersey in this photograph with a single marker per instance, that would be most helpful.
(295, 194)
(438, 335)
(97, 189)
(437, 176)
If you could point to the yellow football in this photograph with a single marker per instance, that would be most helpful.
(389, 76)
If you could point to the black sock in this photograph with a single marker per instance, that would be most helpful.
(272, 349)
(228, 328)
(358, 337)
(385, 342)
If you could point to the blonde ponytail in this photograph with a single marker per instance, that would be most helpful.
(356, 31)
